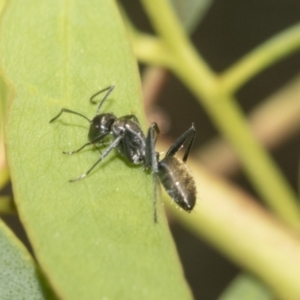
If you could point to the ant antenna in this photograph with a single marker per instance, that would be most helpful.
(109, 90)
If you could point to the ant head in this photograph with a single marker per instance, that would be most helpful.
(101, 125)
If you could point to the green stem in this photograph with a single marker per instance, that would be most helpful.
(147, 46)
(177, 43)
(266, 177)
(224, 111)
(260, 58)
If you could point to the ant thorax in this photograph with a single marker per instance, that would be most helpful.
(133, 144)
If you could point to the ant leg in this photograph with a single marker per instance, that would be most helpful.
(151, 161)
(156, 195)
(98, 149)
(102, 145)
(113, 145)
(68, 111)
(93, 141)
(76, 151)
(151, 138)
(134, 118)
(109, 90)
(186, 138)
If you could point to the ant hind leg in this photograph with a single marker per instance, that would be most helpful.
(187, 138)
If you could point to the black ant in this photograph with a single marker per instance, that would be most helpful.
(132, 144)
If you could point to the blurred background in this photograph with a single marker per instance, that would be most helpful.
(229, 30)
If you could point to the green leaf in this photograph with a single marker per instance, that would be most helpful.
(3, 104)
(19, 278)
(95, 238)
(247, 288)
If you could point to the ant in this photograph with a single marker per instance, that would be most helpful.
(133, 145)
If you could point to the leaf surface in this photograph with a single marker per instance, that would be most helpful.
(96, 238)
(18, 276)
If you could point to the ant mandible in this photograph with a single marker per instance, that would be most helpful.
(132, 144)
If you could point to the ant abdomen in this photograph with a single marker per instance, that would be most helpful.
(177, 181)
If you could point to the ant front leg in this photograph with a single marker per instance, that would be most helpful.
(113, 145)
(93, 141)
